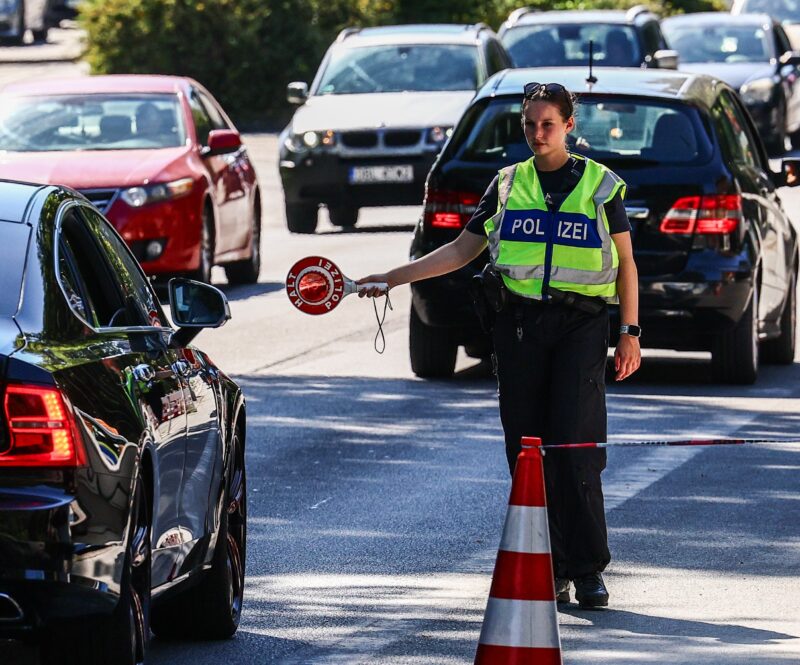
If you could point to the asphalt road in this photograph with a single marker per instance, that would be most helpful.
(376, 499)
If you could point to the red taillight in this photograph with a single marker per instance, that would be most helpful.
(705, 215)
(40, 428)
(445, 209)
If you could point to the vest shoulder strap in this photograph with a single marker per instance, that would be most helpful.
(504, 184)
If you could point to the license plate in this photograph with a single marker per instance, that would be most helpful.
(366, 175)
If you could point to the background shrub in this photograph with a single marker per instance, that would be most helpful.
(246, 51)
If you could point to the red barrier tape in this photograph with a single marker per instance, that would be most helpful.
(687, 442)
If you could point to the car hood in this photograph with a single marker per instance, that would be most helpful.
(734, 74)
(387, 109)
(89, 169)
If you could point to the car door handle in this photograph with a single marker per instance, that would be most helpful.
(638, 213)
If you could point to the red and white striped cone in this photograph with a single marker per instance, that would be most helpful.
(520, 626)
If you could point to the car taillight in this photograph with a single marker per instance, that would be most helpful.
(705, 215)
(40, 427)
(446, 209)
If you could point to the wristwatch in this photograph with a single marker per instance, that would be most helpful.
(630, 329)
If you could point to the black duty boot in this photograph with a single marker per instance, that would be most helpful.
(590, 591)
(562, 589)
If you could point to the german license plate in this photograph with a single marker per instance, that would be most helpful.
(367, 175)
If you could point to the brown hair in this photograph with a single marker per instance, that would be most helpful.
(554, 93)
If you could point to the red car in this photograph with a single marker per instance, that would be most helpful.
(156, 154)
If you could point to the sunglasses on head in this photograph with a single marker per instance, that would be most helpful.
(534, 88)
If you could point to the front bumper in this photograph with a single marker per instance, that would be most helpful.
(324, 177)
(177, 223)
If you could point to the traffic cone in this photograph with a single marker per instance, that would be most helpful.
(520, 626)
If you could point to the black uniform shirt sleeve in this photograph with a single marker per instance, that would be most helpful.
(486, 209)
(616, 215)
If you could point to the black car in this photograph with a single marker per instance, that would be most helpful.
(379, 110)
(751, 53)
(122, 475)
(716, 254)
(619, 38)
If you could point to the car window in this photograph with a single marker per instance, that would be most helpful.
(72, 284)
(719, 43)
(568, 45)
(13, 250)
(140, 302)
(734, 135)
(783, 10)
(639, 130)
(202, 121)
(90, 122)
(400, 68)
(217, 121)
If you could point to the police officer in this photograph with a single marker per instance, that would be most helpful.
(559, 237)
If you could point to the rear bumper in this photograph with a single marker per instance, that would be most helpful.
(324, 178)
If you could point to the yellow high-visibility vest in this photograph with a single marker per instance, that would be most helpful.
(569, 248)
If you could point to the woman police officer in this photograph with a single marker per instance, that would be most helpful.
(559, 236)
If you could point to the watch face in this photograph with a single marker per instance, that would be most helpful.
(633, 331)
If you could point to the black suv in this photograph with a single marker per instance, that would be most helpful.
(717, 256)
(379, 110)
(629, 38)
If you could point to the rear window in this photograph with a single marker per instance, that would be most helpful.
(636, 130)
(400, 68)
(91, 122)
(719, 43)
(13, 248)
(567, 45)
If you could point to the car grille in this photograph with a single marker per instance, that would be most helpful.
(400, 138)
(360, 139)
(101, 198)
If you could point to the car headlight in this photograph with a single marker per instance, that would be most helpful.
(439, 134)
(310, 140)
(136, 197)
(757, 92)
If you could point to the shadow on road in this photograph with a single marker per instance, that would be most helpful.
(244, 291)
(376, 228)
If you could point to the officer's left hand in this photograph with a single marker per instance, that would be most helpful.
(627, 357)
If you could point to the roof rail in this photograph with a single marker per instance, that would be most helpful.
(517, 14)
(478, 27)
(344, 34)
(634, 11)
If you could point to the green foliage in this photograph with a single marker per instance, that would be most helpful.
(246, 51)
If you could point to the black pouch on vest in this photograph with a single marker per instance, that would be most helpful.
(485, 313)
(494, 288)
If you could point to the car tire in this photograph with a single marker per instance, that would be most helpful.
(781, 350)
(734, 354)
(203, 272)
(40, 36)
(344, 216)
(122, 637)
(246, 271)
(212, 608)
(301, 217)
(433, 350)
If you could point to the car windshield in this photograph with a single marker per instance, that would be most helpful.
(643, 131)
(400, 68)
(783, 10)
(90, 122)
(567, 45)
(719, 43)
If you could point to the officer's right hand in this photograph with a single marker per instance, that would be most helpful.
(373, 291)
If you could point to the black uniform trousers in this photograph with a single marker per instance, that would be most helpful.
(551, 385)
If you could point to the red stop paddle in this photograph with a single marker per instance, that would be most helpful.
(315, 285)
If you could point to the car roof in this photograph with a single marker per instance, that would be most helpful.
(577, 16)
(656, 83)
(114, 83)
(430, 33)
(719, 18)
(15, 197)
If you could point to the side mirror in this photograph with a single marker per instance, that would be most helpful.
(790, 172)
(195, 306)
(666, 59)
(222, 141)
(790, 58)
(297, 92)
